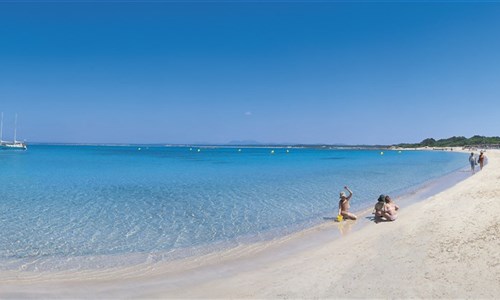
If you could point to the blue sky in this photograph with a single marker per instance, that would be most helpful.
(282, 72)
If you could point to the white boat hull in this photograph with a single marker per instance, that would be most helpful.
(13, 146)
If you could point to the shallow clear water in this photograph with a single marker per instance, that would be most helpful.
(68, 201)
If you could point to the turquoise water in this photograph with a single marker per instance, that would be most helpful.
(74, 201)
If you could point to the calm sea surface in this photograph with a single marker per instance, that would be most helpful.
(89, 201)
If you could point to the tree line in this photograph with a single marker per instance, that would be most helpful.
(455, 141)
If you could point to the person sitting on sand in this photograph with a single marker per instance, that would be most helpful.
(390, 209)
(379, 209)
(344, 205)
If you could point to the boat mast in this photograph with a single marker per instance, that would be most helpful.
(1, 129)
(15, 130)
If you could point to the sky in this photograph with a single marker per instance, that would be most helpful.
(273, 72)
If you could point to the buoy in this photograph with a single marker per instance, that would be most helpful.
(272, 151)
(399, 151)
(381, 153)
(239, 150)
(139, 149)
(199, 150)
(190, 149)
(287, 151)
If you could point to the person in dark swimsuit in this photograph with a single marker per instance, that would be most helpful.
(481, 159)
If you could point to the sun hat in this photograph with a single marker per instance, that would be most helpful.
(342, 194)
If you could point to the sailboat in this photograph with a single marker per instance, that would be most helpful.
(14, 145)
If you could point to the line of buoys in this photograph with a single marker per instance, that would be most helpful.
(240, 150)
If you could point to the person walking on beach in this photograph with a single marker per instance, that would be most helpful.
(344, 205)
(472, 162)
(480, 160)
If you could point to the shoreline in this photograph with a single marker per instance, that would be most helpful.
(426, 254)
(404, 197)
(266, 269)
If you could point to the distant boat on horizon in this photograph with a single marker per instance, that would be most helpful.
(14, 145)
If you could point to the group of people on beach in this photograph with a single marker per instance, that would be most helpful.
(480, 160)
(385, 209)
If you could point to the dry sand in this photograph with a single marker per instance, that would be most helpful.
(447, 246)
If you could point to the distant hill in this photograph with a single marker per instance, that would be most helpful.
(455, 141)
(244, 142)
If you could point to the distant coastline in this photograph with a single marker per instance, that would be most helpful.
(476, 141)
(263, 145)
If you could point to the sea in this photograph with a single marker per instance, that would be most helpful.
(78, 207)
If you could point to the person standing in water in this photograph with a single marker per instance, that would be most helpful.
(472, 162)
(344, 205)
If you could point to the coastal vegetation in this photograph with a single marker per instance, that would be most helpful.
(456, 141)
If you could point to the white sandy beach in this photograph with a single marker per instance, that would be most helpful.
(444, 247)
